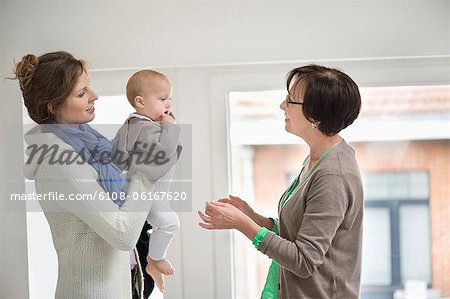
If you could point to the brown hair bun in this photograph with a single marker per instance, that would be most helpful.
(25, 70)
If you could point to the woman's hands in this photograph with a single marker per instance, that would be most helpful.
(240, 204)
(221, 215)
(247, 210)
(224, 214)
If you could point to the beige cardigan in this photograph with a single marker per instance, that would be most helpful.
(320, 232)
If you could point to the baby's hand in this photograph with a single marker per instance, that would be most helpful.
(167, 118)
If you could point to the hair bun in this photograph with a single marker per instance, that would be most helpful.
(25, 70)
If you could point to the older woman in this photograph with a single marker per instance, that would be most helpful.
(317, 239)
(92, 237)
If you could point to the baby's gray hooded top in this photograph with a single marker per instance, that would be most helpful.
(148, 147)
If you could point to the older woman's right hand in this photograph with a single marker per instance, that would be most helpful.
(240, 204)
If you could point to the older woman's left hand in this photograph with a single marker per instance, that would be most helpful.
(221, 215)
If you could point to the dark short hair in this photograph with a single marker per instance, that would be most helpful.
(330, 97)
(49, 78)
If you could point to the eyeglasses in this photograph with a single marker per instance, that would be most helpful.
(289, 101)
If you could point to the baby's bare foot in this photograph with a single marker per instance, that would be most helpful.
(157, 277)
(162, 266)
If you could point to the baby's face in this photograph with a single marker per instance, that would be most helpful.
(158, 100)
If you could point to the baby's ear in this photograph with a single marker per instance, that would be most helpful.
(139, 102)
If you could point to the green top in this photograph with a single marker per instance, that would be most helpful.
(260, 236)
(263, 232)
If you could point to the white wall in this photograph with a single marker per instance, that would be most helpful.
(183, 37)
(133, 33)
(13, 241)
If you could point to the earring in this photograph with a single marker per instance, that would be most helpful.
(313, 125)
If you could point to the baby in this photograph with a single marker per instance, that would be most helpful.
(149, 140)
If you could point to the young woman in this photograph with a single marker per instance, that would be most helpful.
(92, 236)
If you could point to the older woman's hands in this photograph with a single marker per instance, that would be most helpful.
(221, 215)
(240, 204)
(247, 210)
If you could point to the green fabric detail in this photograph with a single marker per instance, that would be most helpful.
(275, 225)
(260, 236)
(270, 287)
(289, 192)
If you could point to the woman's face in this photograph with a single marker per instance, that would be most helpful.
(295, 121)
(78, 108)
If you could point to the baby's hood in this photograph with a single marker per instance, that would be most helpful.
(130, 134)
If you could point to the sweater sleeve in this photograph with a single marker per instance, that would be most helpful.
(120, 227)
(156, 150)
(326, 205)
